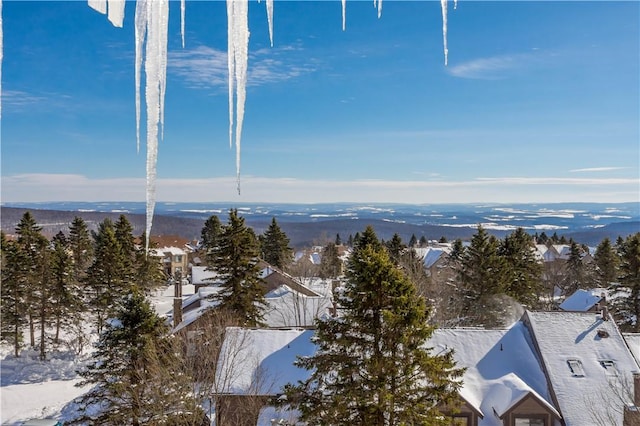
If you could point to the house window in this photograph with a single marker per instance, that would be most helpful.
(610, 367)
(575, 365)
(177, 258)
(527, 421)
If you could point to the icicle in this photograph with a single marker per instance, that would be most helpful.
(238, 22)
(98, 5)
(183, 7)
(455, 4)
(443, 4)
(151, 25)
(270, 19)
(116, 12)
(377, 4)
(140, 32)
(230, 65)
(1, 50)
(344, 14)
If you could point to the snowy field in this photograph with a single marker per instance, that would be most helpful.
(30, 388)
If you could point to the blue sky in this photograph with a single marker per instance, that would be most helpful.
(539, 102)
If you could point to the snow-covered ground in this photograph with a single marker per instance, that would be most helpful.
(30, 388)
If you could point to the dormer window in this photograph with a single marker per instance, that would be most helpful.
(610, 367)
(575, 366)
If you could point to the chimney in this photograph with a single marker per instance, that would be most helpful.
(605, 313)
(177, 299)
(636, 389)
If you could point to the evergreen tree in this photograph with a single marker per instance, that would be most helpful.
(210, 234)
(107, 277)
(136, 370)
(330, 263)
(236, 263)
(148, 272)
(524, 272)
(443, 240)
(126, 241)
(457, 250)
(606, 261)
(66, 294)
(81, 248)
(627, 290)
(423, 241)
(483, 276)
(372, 365)
(413, 241)
(274, 246)
(36, 248)
(350, 241)
(338, 240)
(395, 246)
(575, 274)
(15, 276)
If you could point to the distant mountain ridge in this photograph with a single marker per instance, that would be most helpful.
(305, 225)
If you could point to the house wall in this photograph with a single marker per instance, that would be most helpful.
(528, 407)
(239, 410)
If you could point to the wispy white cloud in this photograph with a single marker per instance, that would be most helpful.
(597, 169)
(494, 67)
(206, 67)
(20, 99)
(60, 187)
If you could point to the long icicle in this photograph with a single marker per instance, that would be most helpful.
(183, 7)
(230, 66)
(241, 58)
(270, 19)
(344, 14)
(1, 50)
(443, 5)
(140, 32)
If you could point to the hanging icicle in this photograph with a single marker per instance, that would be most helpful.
(270, 19)
(238, 57)
(378, 5)
(344, 14)
(151, 27)
(183, 7)
(443, 5)
(114, 9)
(1, 50)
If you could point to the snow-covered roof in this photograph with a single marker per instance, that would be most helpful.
(200, 275)
(587, 361)
(174, 251)
(433, 254)
(583, 300)
(633, 342)
(289, 308)
(501, 369)
(285, 307)
(261, 361)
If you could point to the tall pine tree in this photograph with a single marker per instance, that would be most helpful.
(373, 366)
(235, 260)
(606, 261)
(15, 275)
(107, 277)
(136, 371)
(524, 272)
(627, 290)
(274, 246)
(483, 277)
